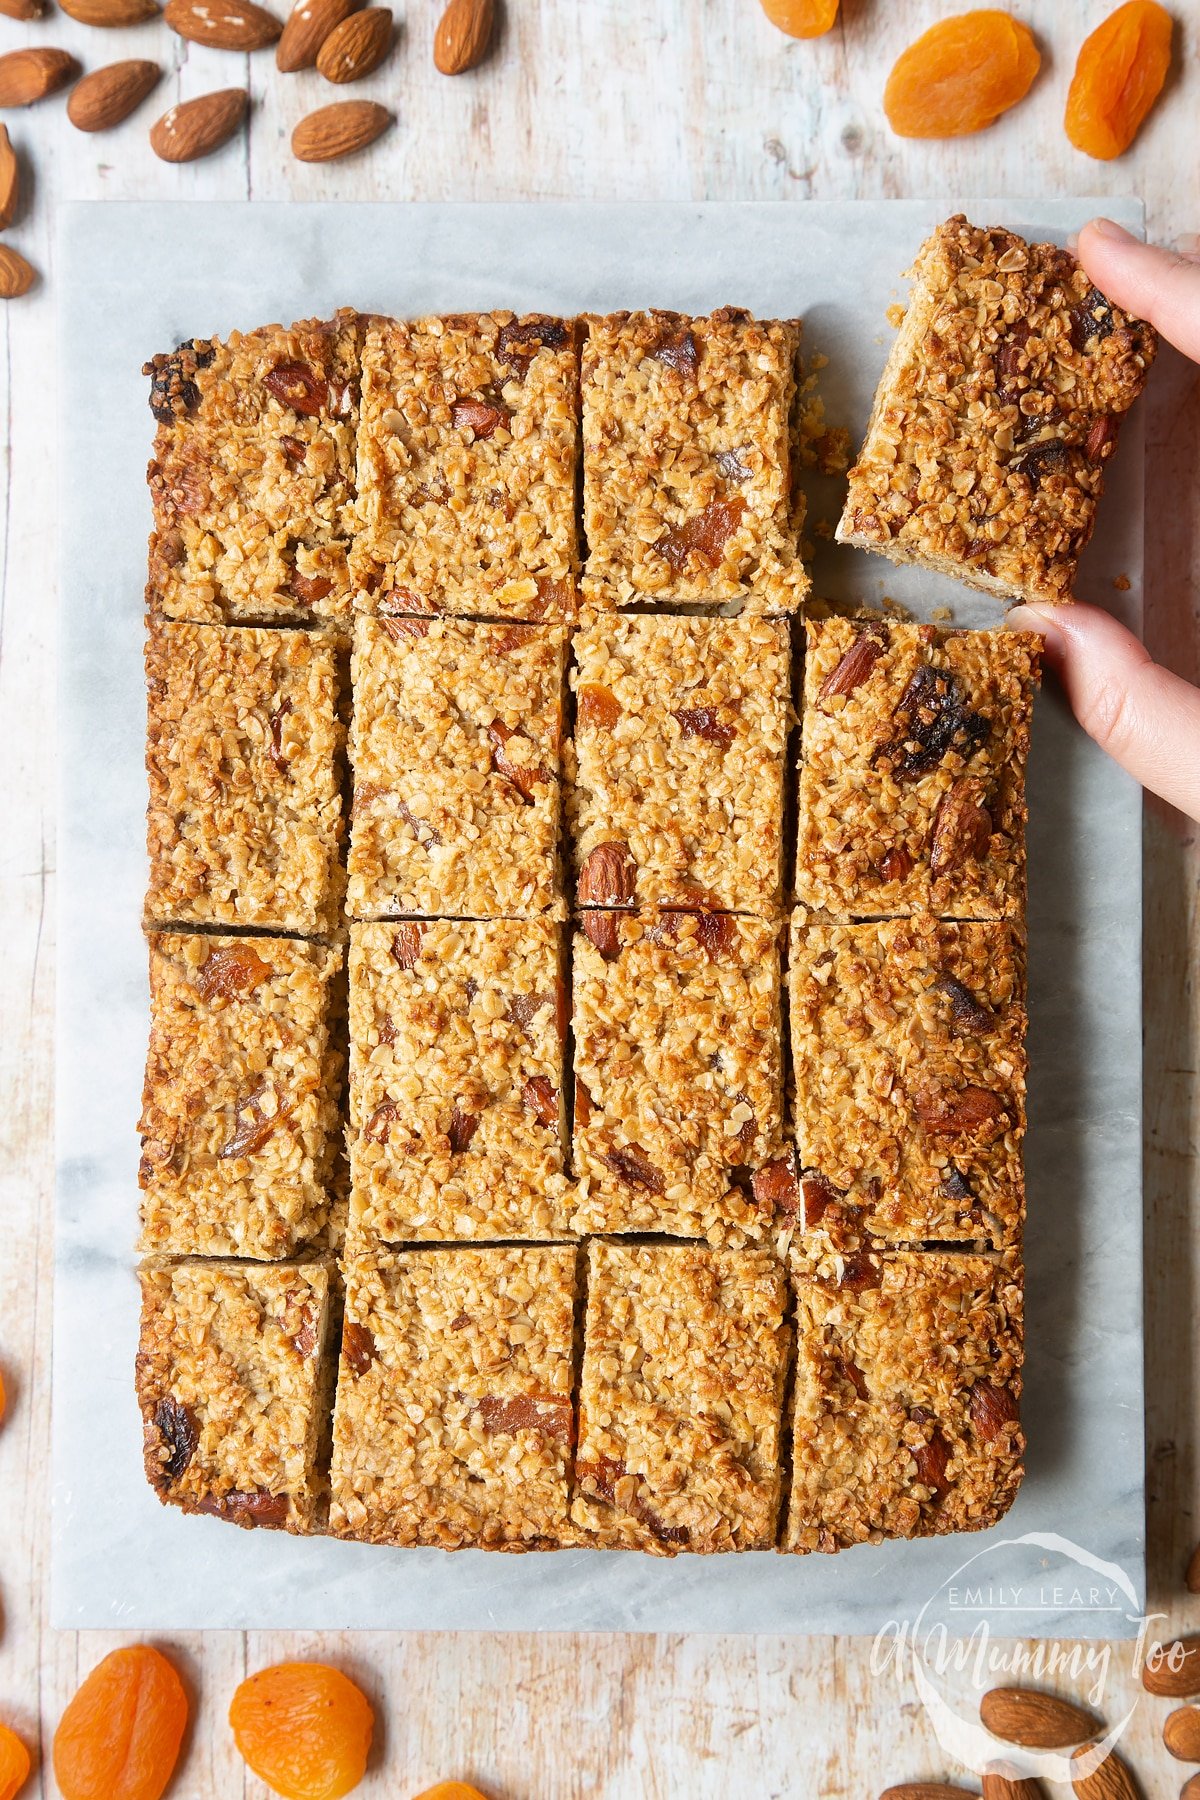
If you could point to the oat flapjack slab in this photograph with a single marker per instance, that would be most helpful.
(235, 1388)
(253, 474)
(688, 461)
(455, 1422)
(998, 410)
(911, 792)
(906, 1401)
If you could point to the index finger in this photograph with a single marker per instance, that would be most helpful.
(1160, 285)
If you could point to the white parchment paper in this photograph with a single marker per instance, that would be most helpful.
(138, 278)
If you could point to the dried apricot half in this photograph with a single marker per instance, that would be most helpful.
(304, 1728)
(960, 75)
(119, 1736)
(1118, 77)
(14, 1764)
(802, 18)
(452, 1790)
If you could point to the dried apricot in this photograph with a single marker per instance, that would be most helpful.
(1118, 77)
(802, 18)
(960, 75)
(119, 1736)
(452, 1790)
(14, 1764)
(304, 1728)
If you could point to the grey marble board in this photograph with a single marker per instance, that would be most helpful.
(134, 279)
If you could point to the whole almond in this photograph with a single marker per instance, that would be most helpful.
(1181, 1733)
(16, 275)
(29, 75)
(1190, 1789)
(10, 181)
(22, 9)
(1192, 1577)
(924, 1790)
(110, 12)
(1181, 1682)
(357, 46)
(1111, 1781)
(463, 35)
(1036, 1721)
(1003, 1782)
(106, 96)
(223, 24)
(309, 24)
(196, 128)
(339, 130)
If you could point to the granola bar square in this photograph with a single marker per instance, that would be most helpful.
(996, 416)
(467, 459)
(678, 1082)
(685, 1357)
(905, 1417)
(456, 1075)
(688, 458)
(912, 781)
(244, 763)
(454, 1422)
(235, 1388)
(253, 475)
(677, 762)
(456, 746)
(908, 1052)
(240, 1117)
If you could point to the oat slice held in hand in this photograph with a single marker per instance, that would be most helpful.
(1000, 406)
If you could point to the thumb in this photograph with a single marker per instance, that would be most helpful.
(1145, 717)
(1160, 285)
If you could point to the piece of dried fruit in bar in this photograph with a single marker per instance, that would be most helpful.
(596, 706)
(358, 1347)
(230, 971)
(406, 944)
(802, 18)
(703, 536)
(960, 75)
(776, 1187)
(931, 719)
(304, 1728)
(14, 1764)
(119, 1736)
(962, 827)
(1118, 76)
(527, 1412)
(854, 667)
(175, 1429)
(462, 1128)
(705, 722)
(630, 1164)
(679, 351)
(965, 1010)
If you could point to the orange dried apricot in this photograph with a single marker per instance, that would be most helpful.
(802, 18)
(119, 1736)
(960, 75)
(304, 1728)
(14, 1764)
(451, 1790)
(1118, 77)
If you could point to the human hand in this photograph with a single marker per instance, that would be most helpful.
(1143, 715)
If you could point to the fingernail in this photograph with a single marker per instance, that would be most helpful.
(1072, 241)
(1041, 619)
(1109, 228)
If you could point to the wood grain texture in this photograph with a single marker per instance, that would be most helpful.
(656, 99)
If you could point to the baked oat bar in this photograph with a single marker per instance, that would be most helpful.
(240, 1120)
(909, 1064)
(244, 763)
(467, 459)
(235, 1388)
(688, 441)
(456, 749)
(456, 1076)
(454, 1423)
(907, 1395)
(677, 762)
(253, 474)
(994, 419)
(912, 779)
(684, 1362)
(678, 1084)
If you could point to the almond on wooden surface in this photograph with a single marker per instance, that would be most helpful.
(103, 98)
(339, 130)
(110, 13)
(1111, 1781)
(463, 35)
(357, 46)
(925, 1790)
(1181, 1733)
(1035, 1720)
(308, 25)
(1005, 1782)
(1176, 1670)
(22, 9)
(16, 275)
(223, 24)
(197, 127)
(10, 181)
(30, 74)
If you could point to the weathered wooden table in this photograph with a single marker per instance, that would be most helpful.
(662, 99)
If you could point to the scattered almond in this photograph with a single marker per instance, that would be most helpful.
(223, 24)
(22, 9)
(309, 24)
(1181, 1733)
(1190, 1789)
(463, 35)
(924, 1790)
(196, 128)
(16, 275)
(339, 130)
(357, 46)
(1178, 1683)
(106, 96)
(1111, 1781)
(10, 187)
(1036, 1721)
(31, 74)
(1192, 1577)
(110, 13)
(1002, 1782)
